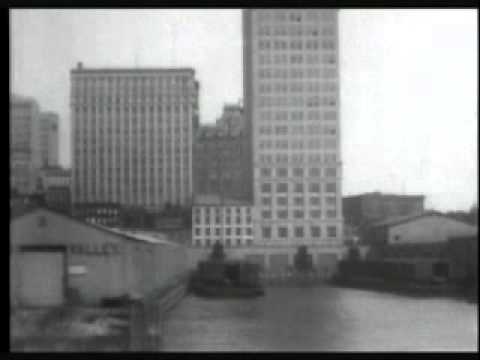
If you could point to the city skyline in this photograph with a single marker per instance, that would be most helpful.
(374, 47)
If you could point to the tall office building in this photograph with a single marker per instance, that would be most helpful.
(291, 94)
(49, 137)
(25, 157)
(132, 136)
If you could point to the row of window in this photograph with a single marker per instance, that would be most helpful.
(279, 158)
(227, 231)
(326, 43)
(298, 232)
(297, 73)
(297, 129)
(297, 187)
(212, 210)
(299, 201)
(226, 242)
(296, 86)
(316, 143)
(295, 30)
(104, 80)
(218, 220)
(110, 108)
(312, 15)
(283, 172)
(298, 214)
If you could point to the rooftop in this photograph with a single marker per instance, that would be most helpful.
(396, 220)
(81, 69)
(379, 194)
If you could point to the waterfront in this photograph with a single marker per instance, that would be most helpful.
(323, 319)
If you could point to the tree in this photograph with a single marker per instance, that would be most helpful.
(217, 252)
(303, 260)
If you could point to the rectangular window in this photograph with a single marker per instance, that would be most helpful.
(332, 231)
(331, 214)
(315, 214)
(282, 187)
(314, 187)
(266, 172)
(282, 172)
(298, 214)
(282, 200)
(331, 172)
(299, 232)
(266, 188)
(315, 200)
(266, 214)
(282, 232)
(315, 231)
(266, 201)
(298, 201)
(297, 172)
(282, 214)
(314, 172)
(331, 187)
(298, 188)
(238, 231)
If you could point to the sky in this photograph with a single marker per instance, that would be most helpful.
(409, 82)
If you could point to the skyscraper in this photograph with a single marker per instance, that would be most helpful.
(49, 138)
(25, 157)
(291, 97)
(132, 136)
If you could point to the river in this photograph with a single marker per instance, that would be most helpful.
(323, 319)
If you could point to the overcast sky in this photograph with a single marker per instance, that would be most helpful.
(409, 82)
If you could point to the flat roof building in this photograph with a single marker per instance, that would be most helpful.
(132, 135)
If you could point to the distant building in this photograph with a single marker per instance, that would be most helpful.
(423, 228)
(228, 221)
(133, 134)
(25, 159)
(363, 209)
(49, 139)
(221, 157)
(56, 187)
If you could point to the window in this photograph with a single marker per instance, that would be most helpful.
(266, 201)
(207, 231)
(282, 187)
(228, 231)
(207, 242)
(299, 232)
(298, 201)
(331, 214)
(396, 238)
(282, 200)
(332, 231)
(239, 242)
(266, 172)
(315, 231)
(197, 231)
(297, 172)
(266, 187)
(282, 172)
(266, 214)
(238, 231)
(282, 232)
(315, 214)
(314, 187)
(331, 200)
(298, 188)
(298, 214)
(248, 231)
(314, 172)
(282, 214)
(331, 172)
(315, 200)
(331, 187)
(266, 232)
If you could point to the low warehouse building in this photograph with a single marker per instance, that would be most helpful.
(56, 259)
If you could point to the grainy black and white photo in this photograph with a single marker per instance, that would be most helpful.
(260, 179)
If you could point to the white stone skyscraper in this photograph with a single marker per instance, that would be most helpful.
(132, 136)
(291, 99)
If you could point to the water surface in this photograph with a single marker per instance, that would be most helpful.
(323, 319)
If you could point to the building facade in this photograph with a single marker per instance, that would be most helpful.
(56, 260)
(132, 136)
(49, 139)
(227, 221)
(366, 208)
(291, 97)
(25, 160)
(221, 157)
(56, 183)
